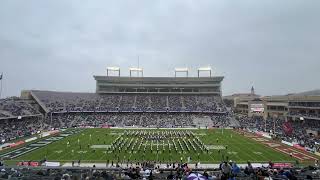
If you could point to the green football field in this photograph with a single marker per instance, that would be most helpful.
(107, 145)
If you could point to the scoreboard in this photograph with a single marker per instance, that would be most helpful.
(256, 108)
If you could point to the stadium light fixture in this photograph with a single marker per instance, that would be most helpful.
(135, 69)
(183, 70)
(113, 69)
(205, 69)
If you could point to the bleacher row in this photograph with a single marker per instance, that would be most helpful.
(13, 128)
(152, 120)
(178, 173)
(14, 107)
(79, 102)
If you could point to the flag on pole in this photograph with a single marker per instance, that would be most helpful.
(287, 128)
(1, 76)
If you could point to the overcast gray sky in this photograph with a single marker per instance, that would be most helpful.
(61, 44)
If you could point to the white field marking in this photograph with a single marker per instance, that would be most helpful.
(260, 139)
(304, 154)
(258, 153)
(82, 152)
(113, 133)
(100, 146)
(215, 147)
(59, 152)
(285, 152)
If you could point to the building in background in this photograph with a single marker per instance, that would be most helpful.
(299, 106)
(304, 106)
(239, 102)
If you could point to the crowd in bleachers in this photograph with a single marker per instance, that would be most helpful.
(142, 102)
(301, 136)
(14, 106)
(304, 114)
(302, 109)
(250, 123)
(158, 120)
(18, 118)
(304, 104)
(11, 129)
(298, 135)
(220, 120)
(260, 124)
(78, 102)
(172, 171)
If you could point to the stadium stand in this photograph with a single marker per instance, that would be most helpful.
(79, 102)
(149, 170)
(19, 118)
(14, 106)
(168, 120)
(47, 110)
(298, 135)
(13, 128)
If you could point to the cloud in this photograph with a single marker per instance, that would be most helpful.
(60, 44)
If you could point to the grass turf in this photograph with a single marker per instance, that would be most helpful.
(239, 148)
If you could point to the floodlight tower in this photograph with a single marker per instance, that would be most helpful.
(183, 70)
(113, 69)
(138, 70)
(204, 69)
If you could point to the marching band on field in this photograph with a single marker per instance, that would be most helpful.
(137, 140)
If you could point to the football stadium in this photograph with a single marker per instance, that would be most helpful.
(155, 90)
(139, 125)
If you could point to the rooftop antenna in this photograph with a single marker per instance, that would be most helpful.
(138, 70)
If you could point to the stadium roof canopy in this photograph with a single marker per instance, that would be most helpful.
(310, 93)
